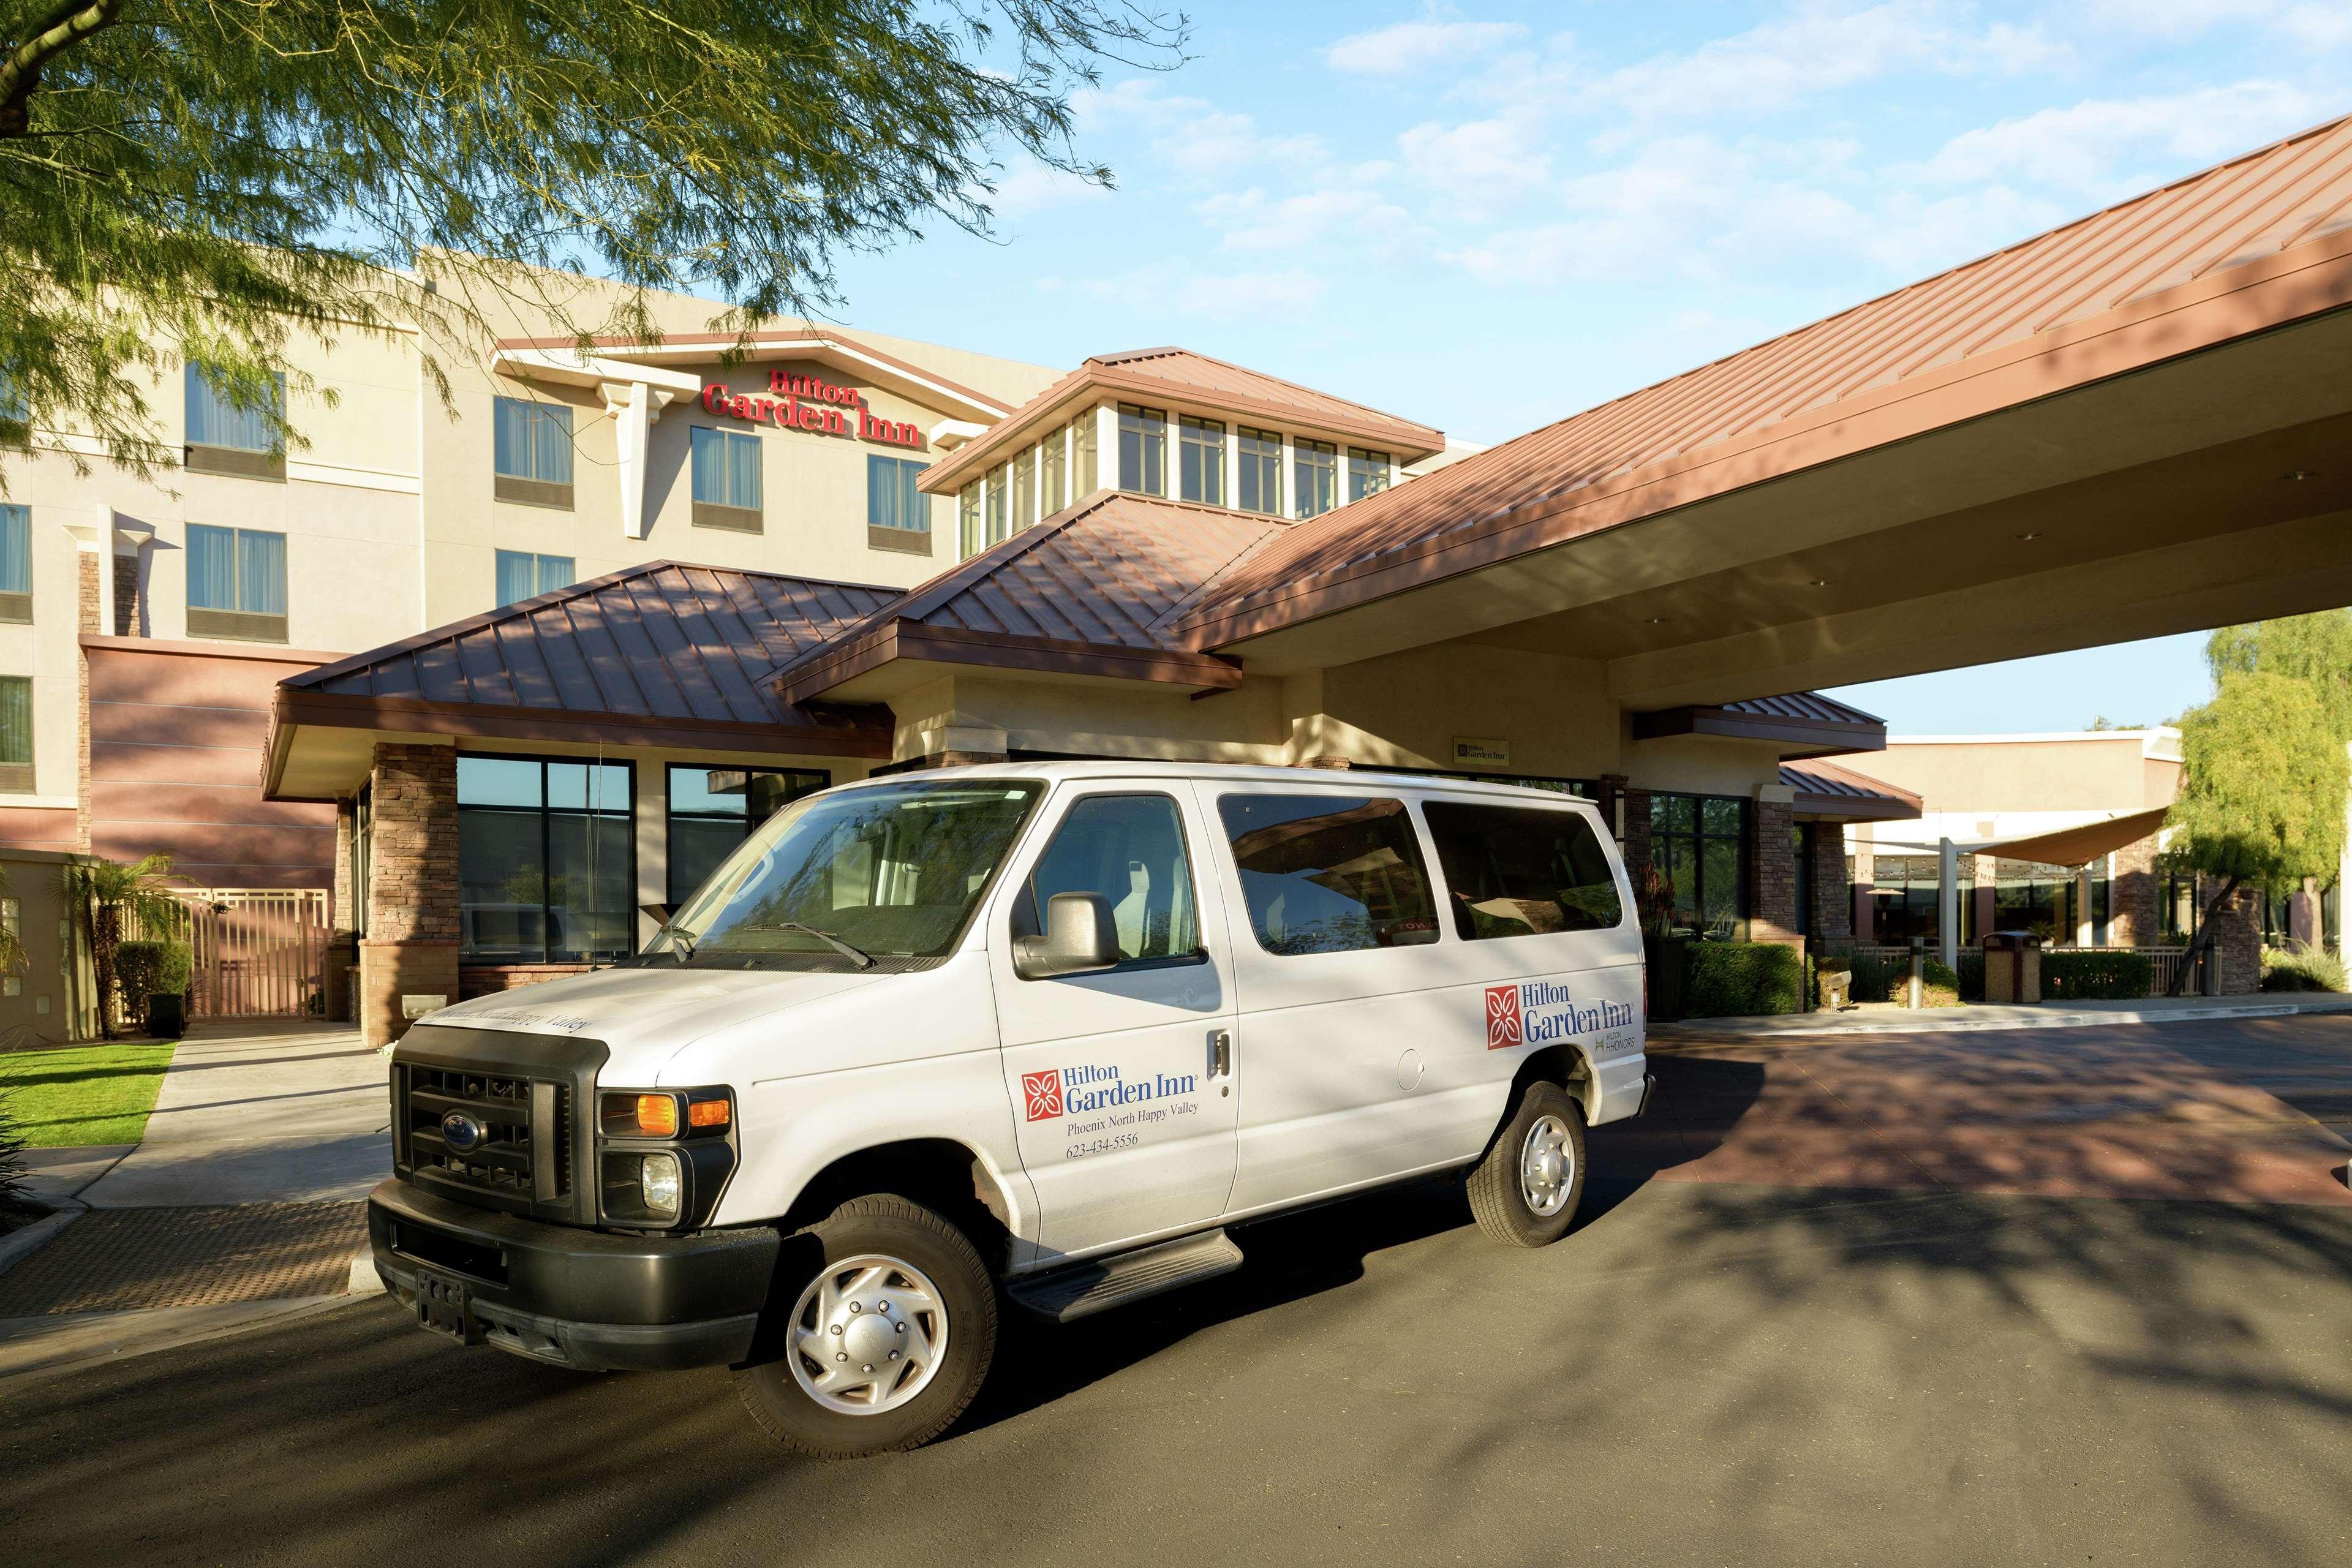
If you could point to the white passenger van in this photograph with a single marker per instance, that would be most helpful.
(1034, 1034)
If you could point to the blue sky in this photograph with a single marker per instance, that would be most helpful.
(1490, 216)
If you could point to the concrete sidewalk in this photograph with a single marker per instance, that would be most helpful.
(1885, 1020)
(263, 1141)
(292, 1113)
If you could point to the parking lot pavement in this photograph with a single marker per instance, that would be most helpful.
(1705, 1371)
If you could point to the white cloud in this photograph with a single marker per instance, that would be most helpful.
(1223, 297)
(1190, 134)
(1355, 215)
(1415, 46)
(2090, 146)
(1477, 156)
(1034, 188)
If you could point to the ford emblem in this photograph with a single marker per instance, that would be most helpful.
(461, 1132)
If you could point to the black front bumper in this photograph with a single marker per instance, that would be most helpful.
(585, 1298)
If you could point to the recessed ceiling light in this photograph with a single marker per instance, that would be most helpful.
(1819, 582)
(2028, 537)
(2302, 474)
(1656, 621)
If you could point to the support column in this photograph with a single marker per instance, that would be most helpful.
(89, 612)
(1988, 877)
(1865, 912)
(1772, 867)
(1833, 910)
(2238, 942)
(2136, 894)
(408, 963)
(2082, 905)
(1947, 903)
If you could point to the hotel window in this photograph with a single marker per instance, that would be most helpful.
(531, 460)
(546, 860)
(1261, 471)
(1316, 476)
(1905, 893)
(1057, 471)
(15, 412)
(999, 481)
(522, 575)
(17, 735)
(1367, 473)
(236, 583)
(225, 437)
(727, 480)
(1699, 845)
(1201, 460)
(1083, 460)
(1024, 489)
(897, 515)
(1143, 450)
(968, 533)
(15, 562)
(712, 810)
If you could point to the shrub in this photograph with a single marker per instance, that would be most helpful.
(1736, 979)
(1971, 968)
(13, 1199)
(2084, 975)
(1876, 980)
(147, 969)
(2311, 971)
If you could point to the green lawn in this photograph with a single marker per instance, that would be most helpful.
(83, 1094)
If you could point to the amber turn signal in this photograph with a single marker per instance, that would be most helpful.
(657, 1115)
(709, 1113)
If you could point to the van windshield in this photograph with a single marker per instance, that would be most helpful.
(894, 871)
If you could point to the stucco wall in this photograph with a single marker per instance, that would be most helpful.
(2093, 772)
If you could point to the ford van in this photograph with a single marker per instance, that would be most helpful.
(1032, 1036)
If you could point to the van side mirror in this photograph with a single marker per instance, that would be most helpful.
(1081, 938)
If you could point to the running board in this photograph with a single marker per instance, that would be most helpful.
(1081, 1290)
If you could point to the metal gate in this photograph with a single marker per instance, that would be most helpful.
(260, 952)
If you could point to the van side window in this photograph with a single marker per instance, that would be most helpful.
(1511, 871)
(1329, 874)
(1130, 849)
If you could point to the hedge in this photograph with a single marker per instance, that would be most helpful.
(145, 969)
(2085, 974)
(1737, 979)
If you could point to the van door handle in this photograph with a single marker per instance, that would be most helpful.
(1221, 1052)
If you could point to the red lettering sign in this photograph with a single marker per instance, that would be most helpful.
(795, 407)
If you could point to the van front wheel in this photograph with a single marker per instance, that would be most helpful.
(1525, 1188)
(883, 1344)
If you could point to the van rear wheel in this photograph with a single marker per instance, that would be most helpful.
(882, 1345)
(1525, 1188)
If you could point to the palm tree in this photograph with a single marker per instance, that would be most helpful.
(111, 893)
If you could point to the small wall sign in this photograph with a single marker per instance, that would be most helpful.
(1479, 751)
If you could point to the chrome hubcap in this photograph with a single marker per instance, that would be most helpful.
(1547, 1167)
(868, 1334)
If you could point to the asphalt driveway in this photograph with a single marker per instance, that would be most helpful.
(1709, 1370)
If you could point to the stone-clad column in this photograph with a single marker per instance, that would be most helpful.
(411, 950)
(1772, 869)
(1833, 910)
(2136, 895)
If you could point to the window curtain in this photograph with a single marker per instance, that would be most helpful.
(518, 576)
(554, 571)
(212, 567)
(744, 470)
(215, 421)
(15, 721)
(261, 573)
(881, 492)
(534, 441)
(913, 510)
(710, 466)
(16, 550)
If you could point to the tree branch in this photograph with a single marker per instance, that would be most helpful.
(21, 72)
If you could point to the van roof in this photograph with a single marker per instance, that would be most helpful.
(1236, 773)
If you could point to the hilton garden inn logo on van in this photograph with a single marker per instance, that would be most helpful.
(1072, 1091)
(1535, 1011)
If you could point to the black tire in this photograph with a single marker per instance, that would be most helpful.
(892, 1228)
(1498, 1199)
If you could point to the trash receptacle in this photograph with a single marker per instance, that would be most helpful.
(2012, 966)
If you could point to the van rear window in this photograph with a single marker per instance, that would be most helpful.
(1512, 872)
(1330, 873)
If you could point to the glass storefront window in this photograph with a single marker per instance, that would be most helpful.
(1904, 893)
(546, 860)
(1700, 844)
(1201, 460)
(1142, 449)
(1260, 480)
(1316, 477)
(712, 810)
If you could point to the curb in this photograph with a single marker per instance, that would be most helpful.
(23, 1242)
(1936, 1021)
(365, 1279)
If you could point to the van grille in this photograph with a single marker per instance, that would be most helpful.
(525, 1151)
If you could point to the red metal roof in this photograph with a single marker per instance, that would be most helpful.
(664, 640)
(1108, 577)
(1824, 789)
(2247, 213)
(1805, 705)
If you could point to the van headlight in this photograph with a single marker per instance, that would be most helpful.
(658, 1182)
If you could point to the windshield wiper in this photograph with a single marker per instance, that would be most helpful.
(682, 942)
(863, 959)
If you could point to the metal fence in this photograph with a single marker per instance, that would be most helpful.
(2167, 960)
